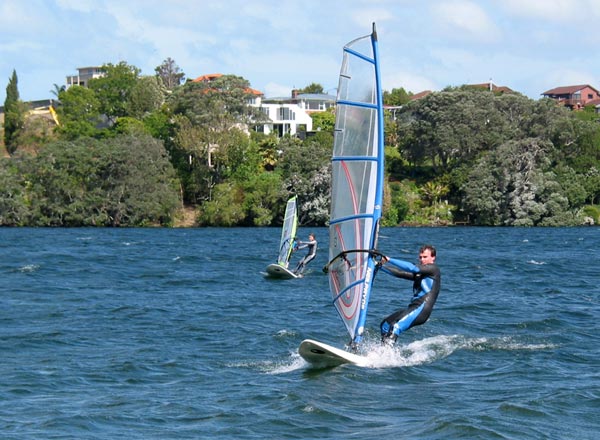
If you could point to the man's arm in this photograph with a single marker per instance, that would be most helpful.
(400, 268)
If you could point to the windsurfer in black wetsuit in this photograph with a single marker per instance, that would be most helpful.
(426, 287)
(311, 244)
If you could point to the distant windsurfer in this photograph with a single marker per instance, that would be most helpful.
(426, 287)
(311, 244)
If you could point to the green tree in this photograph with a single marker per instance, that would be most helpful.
(56, 89)
(225, 208)
(267, 147)
(211, 118)
(591, 183)
(220, 104)
(306, 172)
(121, 181)
(170, 74)
(79, 113)
(146, 96)
(395, 203)
(397, 97)
(160, 125)
(13, 201)
(450, 127)
(312, 88)
(262, 194)
(324, 121)
(514, 186)
(114, 89)
(14, 114)
(129, 125)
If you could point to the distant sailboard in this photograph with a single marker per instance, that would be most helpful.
(275, 270)
(286, 243)
(356, 196)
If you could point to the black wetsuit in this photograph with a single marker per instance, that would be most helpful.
(426, 287)
(312, 253)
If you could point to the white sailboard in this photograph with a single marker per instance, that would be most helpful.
(356, 194)
(286, 243)
(321, 354)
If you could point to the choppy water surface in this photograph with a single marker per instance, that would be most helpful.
(173, 334)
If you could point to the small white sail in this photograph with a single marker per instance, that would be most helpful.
(288, 232)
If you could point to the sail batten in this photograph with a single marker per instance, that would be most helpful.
(357, 183)
(358, 104)
(351, 158)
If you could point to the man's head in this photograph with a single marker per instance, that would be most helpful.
(427, 254)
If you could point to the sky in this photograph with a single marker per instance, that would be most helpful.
(277, 45)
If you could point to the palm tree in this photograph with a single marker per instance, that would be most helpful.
(56, 91)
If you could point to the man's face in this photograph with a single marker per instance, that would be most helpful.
(425, 257)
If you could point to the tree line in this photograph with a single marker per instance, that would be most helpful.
(133, 150)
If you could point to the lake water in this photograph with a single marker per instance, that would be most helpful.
(176, 334)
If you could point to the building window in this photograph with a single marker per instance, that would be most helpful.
(312, 105)
(285, 114)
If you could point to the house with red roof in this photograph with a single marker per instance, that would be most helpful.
(500, 90)
(420, 95)
(574, 97)
(212, 76)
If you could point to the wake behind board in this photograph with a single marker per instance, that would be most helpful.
(324, 355)
(277, 271)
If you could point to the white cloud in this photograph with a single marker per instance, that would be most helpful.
(78, 5)
(467, 18)
(365, 17)
(560, 11)
(408, 81)
(275, 90)
(564, 76)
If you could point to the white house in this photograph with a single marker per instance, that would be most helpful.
(292, 115)
(84, 75)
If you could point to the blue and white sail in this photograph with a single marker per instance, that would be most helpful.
(288, 232)
(357, 183)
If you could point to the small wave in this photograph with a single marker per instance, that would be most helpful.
(290, 363)
(536, 262)
(456, 342)
(416, 353)
(284, 333)
(29, 268)
(508, 343)
(293, 363)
